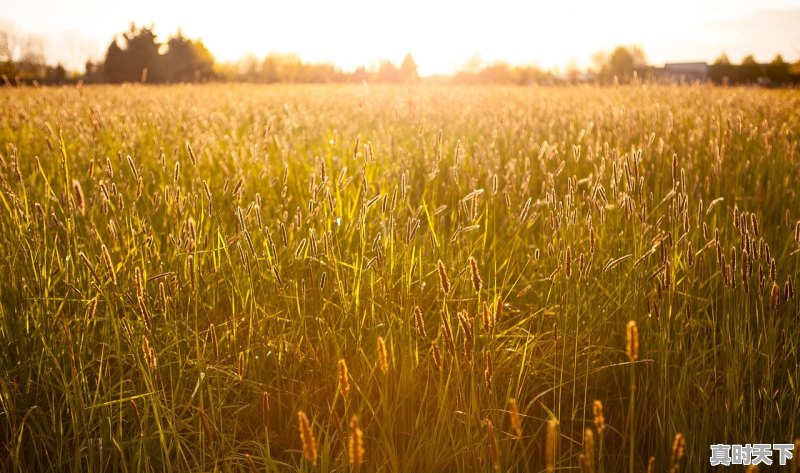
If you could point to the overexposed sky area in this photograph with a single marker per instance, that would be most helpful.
(442, 35)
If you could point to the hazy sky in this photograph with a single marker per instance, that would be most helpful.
(442, 35)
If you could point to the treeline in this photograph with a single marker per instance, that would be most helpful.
(503, 73)
(138, 56)
(22, 59)
(624, 64)
(278, 68)
(749, 71)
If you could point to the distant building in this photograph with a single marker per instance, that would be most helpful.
(684, 71)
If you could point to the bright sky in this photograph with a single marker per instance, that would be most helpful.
(441, 35)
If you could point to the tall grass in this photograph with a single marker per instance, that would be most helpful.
(228, 278)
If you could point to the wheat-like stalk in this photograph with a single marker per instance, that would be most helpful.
(632, 344)
(516, 421)
(356, 450)
(265, 409)
(599, 419)
(80, 200)
(109, 265)
(307, 438)
(589, 458)
(444, 281)
(436, 355)
(678, 448)
(344, 382)
(419, 321)
(383, 357)
(477, 283)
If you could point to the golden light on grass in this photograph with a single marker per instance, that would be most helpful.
(195, 315)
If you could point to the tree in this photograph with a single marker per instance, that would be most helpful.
(186, 60)
(722, 71)
(408, 69)
(93, 73)
(141, 50)
(778, 70)
(750, 70)
(722, 60)
(115, 67)
(388, 72)
(620, 63)
(359, 75)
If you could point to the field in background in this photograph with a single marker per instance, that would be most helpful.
(185, 267)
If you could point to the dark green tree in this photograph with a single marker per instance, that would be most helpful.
(750, 70)
(186, 60)
(722, 71)
(138, 60)
(778, 70)
(116, 66)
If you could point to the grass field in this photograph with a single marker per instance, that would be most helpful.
(185, 268)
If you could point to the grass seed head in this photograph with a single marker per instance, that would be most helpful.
(265, 409)
(488, 373)
(80, 201)
(477, 283)
(632, 345)
(444, 281)
(307, 438)
(678, 449)
(589, 460)
(344, 382)
(516, 421)
(109, 265)
(599, 419)
(356, 445)
(436, 354)
(419, 321)
(383, 357)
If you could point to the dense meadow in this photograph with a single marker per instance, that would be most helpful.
(397, 278)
